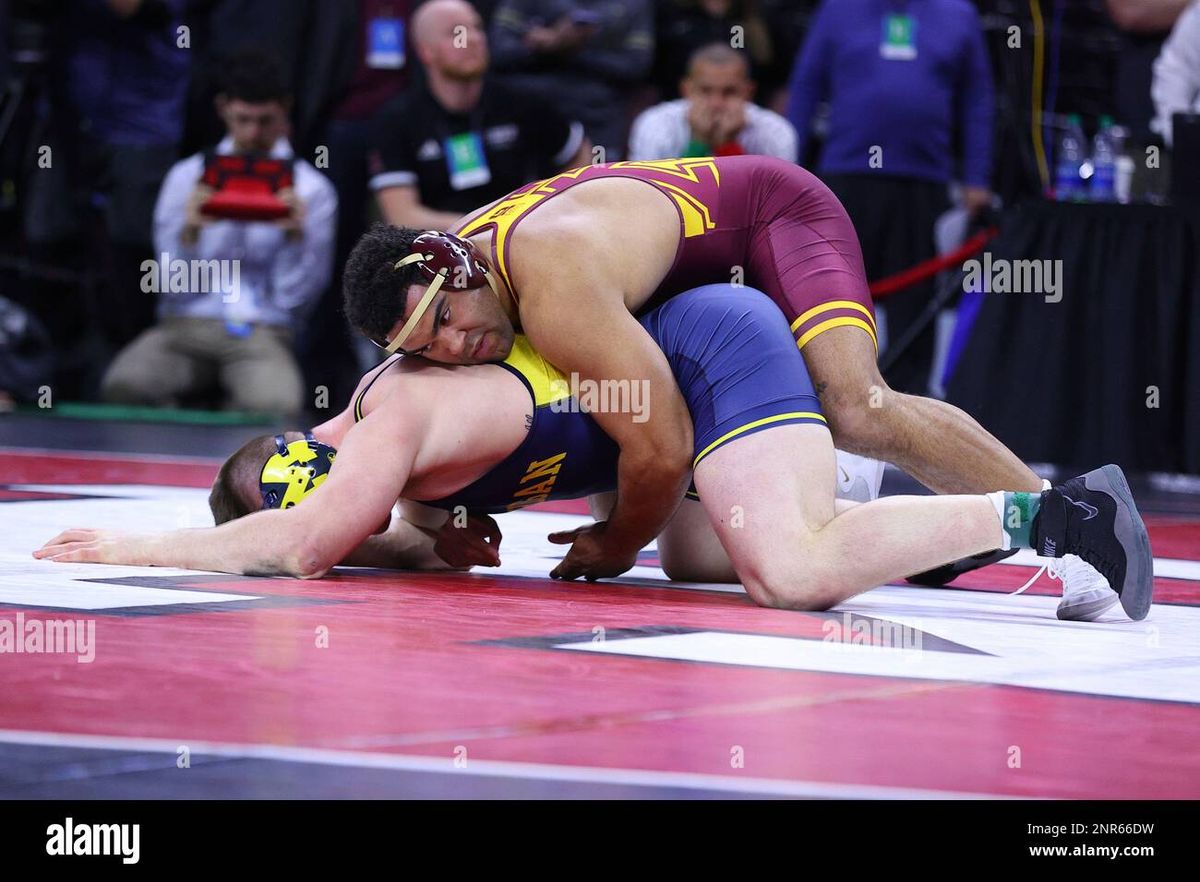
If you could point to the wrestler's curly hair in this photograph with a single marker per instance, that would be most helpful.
(373, 292)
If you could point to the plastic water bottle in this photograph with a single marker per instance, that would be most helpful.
(1068, 185)
(1104, 162)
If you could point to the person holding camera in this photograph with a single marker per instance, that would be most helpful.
(241, 258)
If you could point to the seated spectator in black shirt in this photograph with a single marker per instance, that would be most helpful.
(462, 140)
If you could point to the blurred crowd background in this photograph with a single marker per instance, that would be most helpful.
(416, 113)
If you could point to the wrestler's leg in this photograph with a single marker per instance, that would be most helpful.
(691, 551)
(808, 259)
(769, 497)
(935, 442)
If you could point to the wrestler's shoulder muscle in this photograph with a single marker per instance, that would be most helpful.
(610, 204)
(447, 408)
(621, 231)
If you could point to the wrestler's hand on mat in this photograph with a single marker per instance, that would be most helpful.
(95, 546)
(590, 557)
(477, 543)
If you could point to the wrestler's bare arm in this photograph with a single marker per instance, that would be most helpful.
(370, 474)
(404, 546)
(460, 411)
(576, 316)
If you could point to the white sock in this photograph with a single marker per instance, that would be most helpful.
(997, 501)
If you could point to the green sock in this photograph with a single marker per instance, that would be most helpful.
(1016, 512)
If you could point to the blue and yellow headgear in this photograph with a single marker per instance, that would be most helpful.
(294, 471)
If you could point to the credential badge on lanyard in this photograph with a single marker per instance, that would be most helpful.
(385, 43)
(899, 37)
(466, 161)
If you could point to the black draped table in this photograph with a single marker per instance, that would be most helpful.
(1109, 373)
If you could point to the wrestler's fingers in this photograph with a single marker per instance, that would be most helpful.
(484, 557)
(566, 571)
(75, 534)
(70, 552)
(471, 548)
(566, 537)
(494, 535)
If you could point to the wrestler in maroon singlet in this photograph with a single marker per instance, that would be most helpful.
(777, 222)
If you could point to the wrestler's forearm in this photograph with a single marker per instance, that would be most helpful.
(250, 546)
(648, 493)
(404, 546)
(199, 550)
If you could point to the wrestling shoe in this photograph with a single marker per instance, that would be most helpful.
(858, 477)
(1086, 595)
(947, 573)
(1094, 516)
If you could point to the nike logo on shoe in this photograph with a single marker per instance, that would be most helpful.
(1091, 510)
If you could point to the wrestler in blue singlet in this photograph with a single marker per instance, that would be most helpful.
(733, 357)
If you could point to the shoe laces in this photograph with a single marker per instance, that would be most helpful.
(1064, 569)
(1054, 569)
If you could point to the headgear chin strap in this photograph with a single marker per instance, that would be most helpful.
(440, 256)
(294, 471)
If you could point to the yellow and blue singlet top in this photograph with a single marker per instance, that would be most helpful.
(733, 358)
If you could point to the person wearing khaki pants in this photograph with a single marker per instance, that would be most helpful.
(256, 372)
(231, 292)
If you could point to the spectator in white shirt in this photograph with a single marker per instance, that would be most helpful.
(715, 117)
(1176, 85)
(236, 290)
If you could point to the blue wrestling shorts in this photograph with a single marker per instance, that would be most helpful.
(734, 360)
(736, 363)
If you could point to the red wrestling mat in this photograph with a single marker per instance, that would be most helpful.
(661, 689)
